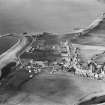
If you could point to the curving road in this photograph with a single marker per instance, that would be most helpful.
(12, 54)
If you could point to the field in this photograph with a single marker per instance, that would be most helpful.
(6, 43)
(88, 51)
(59, 89)
(55, 16)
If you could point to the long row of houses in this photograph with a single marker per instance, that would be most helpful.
(73, 59)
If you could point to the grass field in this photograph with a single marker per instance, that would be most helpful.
(59, 89)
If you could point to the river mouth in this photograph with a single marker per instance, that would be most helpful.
(6, 43)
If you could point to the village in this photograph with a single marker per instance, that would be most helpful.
(71, 61)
